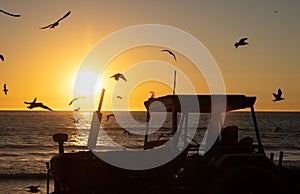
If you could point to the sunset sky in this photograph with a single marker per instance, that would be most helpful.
(43, 63)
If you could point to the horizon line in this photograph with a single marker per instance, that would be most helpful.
(137, 110)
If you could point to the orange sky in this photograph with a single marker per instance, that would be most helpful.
(44, 63)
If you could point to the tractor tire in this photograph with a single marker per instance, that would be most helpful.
(247, 179)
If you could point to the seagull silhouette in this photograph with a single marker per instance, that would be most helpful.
(125, 131)
(33, 189)
(2, 57)
(76, 120)
(241, 42)
(151, 94)
(5, 90)
(120, 97)
(170, 52)
(53, 25)
(75, 99)
(35, 104)
(108, 116)
(278, 96)
(118, 76)
(77, 109)
(14, 15)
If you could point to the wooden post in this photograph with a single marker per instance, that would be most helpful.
(174, 86)
(94, 131)
(147, 129)
(260, 147)
(48, 176)
(280, 158)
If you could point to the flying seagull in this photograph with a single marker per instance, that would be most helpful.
(77, 109)
(35, 104)
(108, 116)
(170, 52)
(241, 42)
(53, 25)
(118, 76)
(74, 100)
(278, 96)
(33, 189)
(120, 97)
(1, 57)
(14, 15)
(125, 131)
(5, 90)
(76, 120)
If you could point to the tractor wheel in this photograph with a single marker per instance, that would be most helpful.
(248, 179)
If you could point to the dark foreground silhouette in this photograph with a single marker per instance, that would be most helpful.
(233, 164)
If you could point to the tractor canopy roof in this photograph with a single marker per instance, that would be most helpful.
(199, 103)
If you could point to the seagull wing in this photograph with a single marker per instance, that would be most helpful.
(14, 15)
(2, 57)
(123, 77)
(46, 26)
(275, 95)
(66, 15)
(170, 52)
(243, 39)
(71, 102)
(45, 107)
(279, 92)
(116, 76)
(236, 44)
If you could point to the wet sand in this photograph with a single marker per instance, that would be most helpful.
(17, 185)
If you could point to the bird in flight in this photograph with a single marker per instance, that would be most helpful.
(170, 52)
(53, 25)
(33, 189)
(278, 96)
(35, 104)
(5, 90)
(77, 109)
(120, 97)
(241, 42)
(76, 120)
(118, 76)
(71, 102)
(151, 94)
(125, 131)
(108, 116)
(1, 57)
(14, 15)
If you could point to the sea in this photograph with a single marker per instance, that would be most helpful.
(26, 139)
